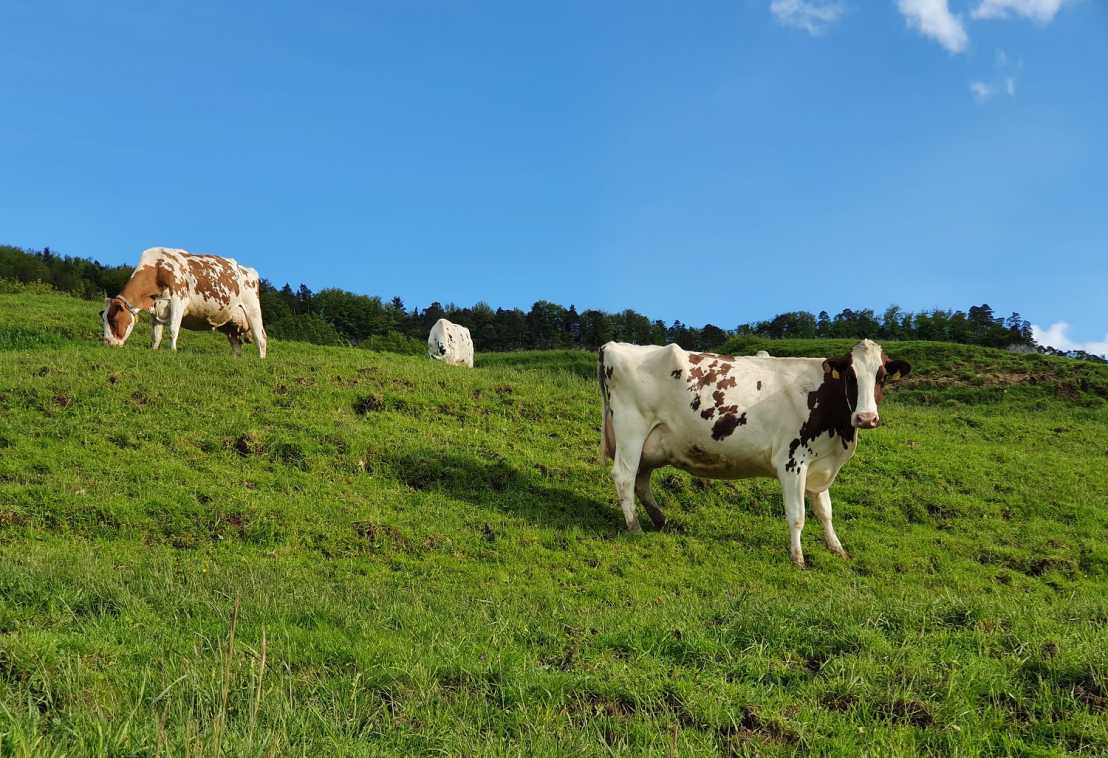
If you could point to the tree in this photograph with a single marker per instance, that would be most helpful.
(711, 337)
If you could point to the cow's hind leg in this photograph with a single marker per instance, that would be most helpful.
(642, 489)
(257, 329)
(821, 506)
(792, 488)
(176, 314)
(630, 435)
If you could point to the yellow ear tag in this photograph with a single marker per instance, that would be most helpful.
(894, 376)
(835, 374)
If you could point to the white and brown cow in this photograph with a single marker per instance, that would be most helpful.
(726, 417)
(450, 343)
(198, 292)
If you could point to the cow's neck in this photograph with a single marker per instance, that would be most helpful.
(140, 289)
(829, 412)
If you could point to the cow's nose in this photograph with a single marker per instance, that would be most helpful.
(866, 420)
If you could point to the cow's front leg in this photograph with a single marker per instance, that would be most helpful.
(792, 488)
(821, 506)
(156, 335)
(176, 313)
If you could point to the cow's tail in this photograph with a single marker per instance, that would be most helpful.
(607, 434)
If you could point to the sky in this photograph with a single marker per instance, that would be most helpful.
(711, 162)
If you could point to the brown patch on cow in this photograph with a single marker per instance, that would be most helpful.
(676, 373)
(726, 425)
(708, 413)
(759, 385)
(718, 396)
(215, 277)
(695, 404)
(708, 378)
(695, 358)
(726, 383)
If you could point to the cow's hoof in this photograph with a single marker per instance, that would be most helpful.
(798, 561)
(634, 529)
(842, 554)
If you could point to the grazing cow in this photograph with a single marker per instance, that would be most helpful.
(722, 417)
(450, 343)
(197, 292)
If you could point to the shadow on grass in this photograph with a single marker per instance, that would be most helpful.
(493, 482)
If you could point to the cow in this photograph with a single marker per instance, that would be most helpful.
(450, 343)
(198, 292)
(727, 417)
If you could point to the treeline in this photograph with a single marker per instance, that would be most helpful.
(333, 316)
(978, 326)
(338, 317)
(77, 276)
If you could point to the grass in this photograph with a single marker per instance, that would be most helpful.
(339, 551)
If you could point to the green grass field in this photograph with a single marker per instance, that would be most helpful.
(343, 552)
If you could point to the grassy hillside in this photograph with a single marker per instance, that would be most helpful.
(345, 552)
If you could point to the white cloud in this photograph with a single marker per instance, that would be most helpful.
(932, 18)
(981, 91)
(813, 16)
(1057, 335)
(1005, 81)
(1042, 11)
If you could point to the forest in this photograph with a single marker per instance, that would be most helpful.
(338, 317)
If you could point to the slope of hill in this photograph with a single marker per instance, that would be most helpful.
(344, 552)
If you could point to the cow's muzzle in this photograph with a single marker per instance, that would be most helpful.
(866, 420)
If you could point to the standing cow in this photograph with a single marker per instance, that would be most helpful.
(197, 292)
(722, 417)
(450, 343)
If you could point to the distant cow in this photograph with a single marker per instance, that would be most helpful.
(198, 292)
(722, 417)
(450, 343)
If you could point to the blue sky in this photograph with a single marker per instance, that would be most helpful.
(713, 162)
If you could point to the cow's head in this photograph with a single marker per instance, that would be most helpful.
(862, 374)
(119, 319)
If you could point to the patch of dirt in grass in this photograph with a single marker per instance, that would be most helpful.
(906, 711)
(379, 536)
(249, 444)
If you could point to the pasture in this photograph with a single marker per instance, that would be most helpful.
(339, 551)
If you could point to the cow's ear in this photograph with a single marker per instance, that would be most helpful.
(835, 367)
(895, 370)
